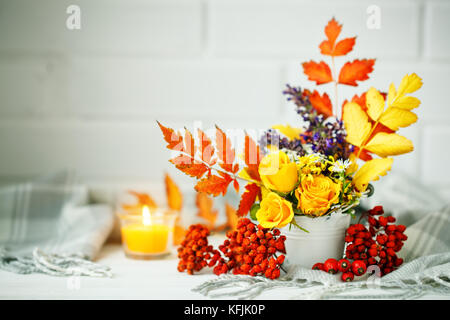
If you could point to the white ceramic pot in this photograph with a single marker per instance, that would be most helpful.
(324, 240)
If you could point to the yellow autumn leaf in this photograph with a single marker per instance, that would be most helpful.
(374, 103)
(389, 144)
(173, 193)
(371, 171)
(356, 124)
(391, 94)
(409, 84)
(405, 102)
(290, 132)
(395, 118)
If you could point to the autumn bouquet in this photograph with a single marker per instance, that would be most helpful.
(319, 168)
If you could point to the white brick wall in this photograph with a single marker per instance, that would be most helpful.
(88, 99)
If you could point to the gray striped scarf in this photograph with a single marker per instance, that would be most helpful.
(47, 226)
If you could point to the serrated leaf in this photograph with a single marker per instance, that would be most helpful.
(389, 144)
(205, 209)
(343, 47)
(395, 118)
(409, 84)
(406, 102)
(248, 198)
(374, 103)
(173, 194)
(371, 171)
(174, 140)
(357, 70)
(356, 124)
(214, 185)
(225, 151)
(189, 143)
(318, 72)
(332, 30)
(206, 148)
(391, 94)
(321, 103)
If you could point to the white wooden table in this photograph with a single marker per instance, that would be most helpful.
(133, 279)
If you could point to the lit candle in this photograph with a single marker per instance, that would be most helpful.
(151, 235)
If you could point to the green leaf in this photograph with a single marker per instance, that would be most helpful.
(253, 210)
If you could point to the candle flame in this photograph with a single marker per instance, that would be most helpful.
(146, 217)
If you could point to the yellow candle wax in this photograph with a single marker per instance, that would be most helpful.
(142, 238)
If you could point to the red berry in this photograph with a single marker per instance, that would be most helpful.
(343, 265)
(359, 267)
(330, 266)
(318, 266)
(347, 276)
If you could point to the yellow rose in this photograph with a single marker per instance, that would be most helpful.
(274, 211)
(278, 172)
(316, 195)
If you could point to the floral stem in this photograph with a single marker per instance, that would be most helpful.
(336, 107)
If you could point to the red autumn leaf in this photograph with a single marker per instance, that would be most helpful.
(321, 103)
(206, 148)
(248, 198)
(236, 185)
(318, 72)
(214, 185)
(343, 47)
(174, 140)
(225, 152)
(357, 70)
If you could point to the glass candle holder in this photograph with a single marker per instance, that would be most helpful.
(148, 235)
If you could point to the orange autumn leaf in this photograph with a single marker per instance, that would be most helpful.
(206, 148)
(196, 169)
(174, 140)
(225, 152)
(321, 103)
(357, 70)
(179, 232)
(344, 46)
(189, 144)
(332, 30)
(173, 194)
(143, 199)
(329, 47)
(252, 158)
(214, 185)
(248, 198)
(232, 217)
(318, 72)
(205, 209)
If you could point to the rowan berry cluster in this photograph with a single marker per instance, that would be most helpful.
(377, 244)
(348, 269)
(194, 251)
(252, 250)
